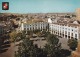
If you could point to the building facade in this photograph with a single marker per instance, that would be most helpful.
(34, 26)
(64, 30)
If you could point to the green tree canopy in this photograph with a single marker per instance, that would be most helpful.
(53, 46)
(72, 43)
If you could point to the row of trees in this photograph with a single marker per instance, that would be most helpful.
(39, 33)
(52, 48)
(26, 48)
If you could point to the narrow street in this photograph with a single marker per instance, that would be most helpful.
(9, 52)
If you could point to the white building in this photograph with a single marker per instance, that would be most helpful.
(49, 20)
(34, 25)
(65, 30)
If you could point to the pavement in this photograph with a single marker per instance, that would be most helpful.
(9, 52)
(63, 42)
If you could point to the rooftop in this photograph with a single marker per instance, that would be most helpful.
(32, 21)
(68, 24)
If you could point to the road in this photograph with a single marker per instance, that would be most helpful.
(9, 52)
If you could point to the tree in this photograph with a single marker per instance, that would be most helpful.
(24, 48)
(36, 31)
(29, 32)
(72, 43)
(53, 46)
(13, 36)
(38, 34)
(52, 39)
(45, 33)
(27, 49)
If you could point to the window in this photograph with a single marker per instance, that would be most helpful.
(75, 35)
(27, 28)
(68, 33)
(30, 28)
(33, 28)
(65, 32)
(24, 28)
(71, 34)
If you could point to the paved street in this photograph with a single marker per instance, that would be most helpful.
(9, 52)
(63, 41)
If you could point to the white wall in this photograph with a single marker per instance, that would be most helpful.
(49, 20)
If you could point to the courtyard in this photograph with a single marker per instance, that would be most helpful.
(40, 41)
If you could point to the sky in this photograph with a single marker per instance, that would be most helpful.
(41, 6)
